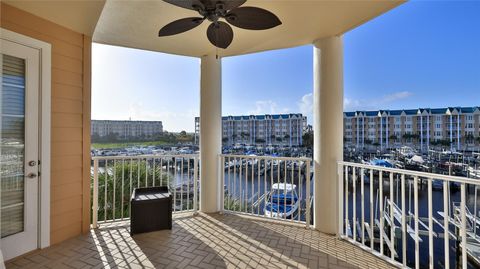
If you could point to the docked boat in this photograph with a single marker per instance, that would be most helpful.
(282, 201)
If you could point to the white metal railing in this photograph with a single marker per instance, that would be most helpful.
(115, 177)
(434, 225)
(270, 187)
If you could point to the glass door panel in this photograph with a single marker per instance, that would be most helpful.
(12, 145)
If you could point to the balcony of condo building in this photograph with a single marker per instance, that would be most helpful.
(452, 128)
(278, 129)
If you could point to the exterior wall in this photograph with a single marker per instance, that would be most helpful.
(125, 129)
(261, 130)
(70, 141)
(427, 125)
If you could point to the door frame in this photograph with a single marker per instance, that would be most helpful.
(44, 124)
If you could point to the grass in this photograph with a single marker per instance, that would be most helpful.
(129, 144)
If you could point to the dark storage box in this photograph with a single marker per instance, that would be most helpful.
(151, 210)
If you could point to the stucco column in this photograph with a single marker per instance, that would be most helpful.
(210, 132)
(328, 130)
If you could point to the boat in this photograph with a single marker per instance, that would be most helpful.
(381, 162)
(282, 201)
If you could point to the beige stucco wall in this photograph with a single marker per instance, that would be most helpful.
(70, 131)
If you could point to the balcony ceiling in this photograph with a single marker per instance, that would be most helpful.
(78, 15)
(135, 24)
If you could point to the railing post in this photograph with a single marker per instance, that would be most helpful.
(222, 180)
(340, 199)
(307, 217)
(95, 194)
(463, 227)
(195, 184)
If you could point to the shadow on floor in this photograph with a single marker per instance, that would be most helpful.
(203, 241)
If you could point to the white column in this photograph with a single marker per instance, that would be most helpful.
(386, 135)
(210, 132)
(421, 133)
(428, 132)
(290, 136)
(357, 125)
(381, 133)
(458, 132)
(363, 132)
(451, 132)
(328, 131)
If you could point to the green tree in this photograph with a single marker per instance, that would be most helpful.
(307, 139)
(119, 178)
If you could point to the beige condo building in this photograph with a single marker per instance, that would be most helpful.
(454, 128)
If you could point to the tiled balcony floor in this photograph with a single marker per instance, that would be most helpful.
(203, 241)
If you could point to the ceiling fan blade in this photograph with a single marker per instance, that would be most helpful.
(180, 26)
(252, 18)
(232, 4)
(220, 34)
(188, 4)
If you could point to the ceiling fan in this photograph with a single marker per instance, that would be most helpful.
(219, 33)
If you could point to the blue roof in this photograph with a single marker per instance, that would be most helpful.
(396, 112)
(438, 110)
(413, 111)
(467, 109)
(262, 117)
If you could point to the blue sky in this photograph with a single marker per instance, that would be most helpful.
(421, 54)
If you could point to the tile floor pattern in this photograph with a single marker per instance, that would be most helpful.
(203, 241)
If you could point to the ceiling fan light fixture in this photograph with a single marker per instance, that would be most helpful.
(219, 33)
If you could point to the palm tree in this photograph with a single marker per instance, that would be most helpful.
(393, 138)
(469, 138)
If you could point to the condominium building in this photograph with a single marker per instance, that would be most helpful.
(124, 129)
(454, 128)
(280, 129)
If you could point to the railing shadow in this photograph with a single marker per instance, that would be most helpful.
(269, 244)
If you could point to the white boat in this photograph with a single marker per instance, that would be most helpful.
(282, 201)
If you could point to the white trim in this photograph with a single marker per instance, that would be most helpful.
(45, 50)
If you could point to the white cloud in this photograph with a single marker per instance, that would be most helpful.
(267, 107)
(350, 104)
(306, 106)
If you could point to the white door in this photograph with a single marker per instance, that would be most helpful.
(19, 116)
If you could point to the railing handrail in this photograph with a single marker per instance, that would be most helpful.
(414, 173)
(126, 157)
(266, 157)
